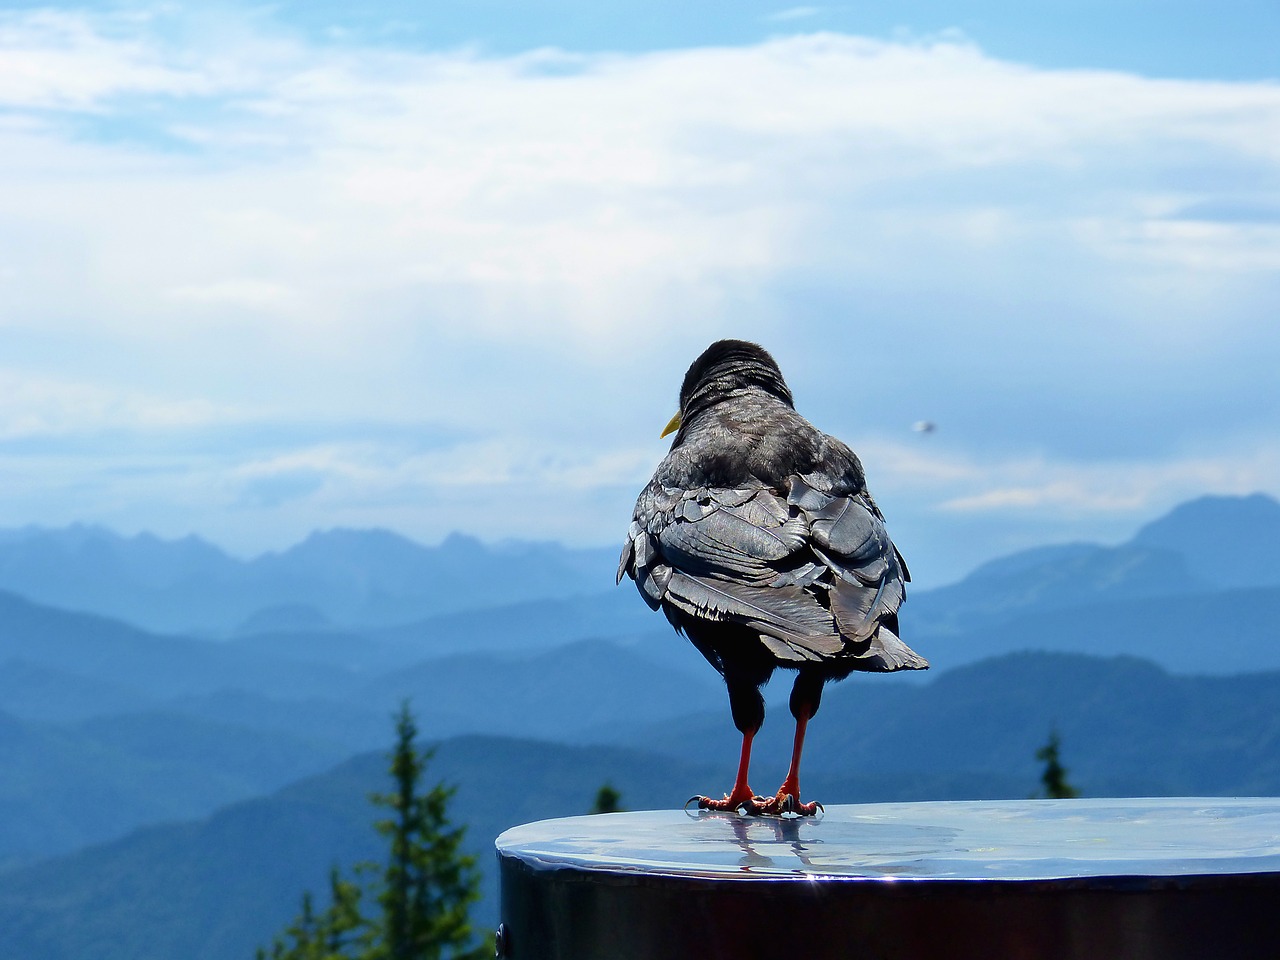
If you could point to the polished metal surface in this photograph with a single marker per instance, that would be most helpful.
(977, 840)
(1167, 878)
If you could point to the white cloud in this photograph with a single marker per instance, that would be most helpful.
(240, 225)
(33, 406)
(65, 61)
(598, 199)
(960, 482)
(1207, 248)
(247, 292)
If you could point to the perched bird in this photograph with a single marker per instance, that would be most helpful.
(758, 539)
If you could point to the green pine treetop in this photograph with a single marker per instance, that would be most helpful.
(608, 800)
(422, 892)
(1054, 777)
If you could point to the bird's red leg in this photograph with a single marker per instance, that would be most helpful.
(791, 785)
(788, 797)
(742, 792)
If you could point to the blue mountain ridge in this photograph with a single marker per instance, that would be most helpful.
(209, 722)
(374, 580)
(361, 578)
(161, 725)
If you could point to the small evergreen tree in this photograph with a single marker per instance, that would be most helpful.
(336, 934)
(423, 891)
(427, 885)
(1054, 777)
(608, 800)
(341, 925)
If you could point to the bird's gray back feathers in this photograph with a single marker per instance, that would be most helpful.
(756, 519)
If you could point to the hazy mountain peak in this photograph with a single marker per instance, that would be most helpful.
(1017, 563)
(1228, 540)
(73, 534)
(461, 541)
(348, 537)
(1204, 514)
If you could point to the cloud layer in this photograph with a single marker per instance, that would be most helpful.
(214, 230)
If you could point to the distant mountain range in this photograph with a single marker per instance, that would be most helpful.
(65, 786)
(1201, 547)
(371, 601)
(211, 721)
(372, 579)
(336, 578)
(1128, 727)
(1198, 591)
(145, 681)
(568, 668)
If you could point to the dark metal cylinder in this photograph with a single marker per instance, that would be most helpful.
(1049, 880)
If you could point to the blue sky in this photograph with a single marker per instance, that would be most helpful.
(267, 269)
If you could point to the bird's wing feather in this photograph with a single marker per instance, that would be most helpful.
(888, 653)
(726, 555)
(740, 543)
(867, 577)
(790, 613)
(847, 529)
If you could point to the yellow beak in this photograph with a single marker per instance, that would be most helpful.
(672, 425)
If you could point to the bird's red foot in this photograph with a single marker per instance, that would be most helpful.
(739, 800)
(789, 804)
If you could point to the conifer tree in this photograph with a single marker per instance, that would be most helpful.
(1054, 777)
(427, 884)
(422, 892)
(608, 800)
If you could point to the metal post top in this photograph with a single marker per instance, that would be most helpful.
(984, 840)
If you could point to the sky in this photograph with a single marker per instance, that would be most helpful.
(272, 268)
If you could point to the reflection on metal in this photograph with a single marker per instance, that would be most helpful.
(1043, 879)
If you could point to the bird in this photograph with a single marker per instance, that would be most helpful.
(758, 539)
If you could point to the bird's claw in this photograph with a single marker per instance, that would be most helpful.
(788, 805)
(750, 806)
(782, 805)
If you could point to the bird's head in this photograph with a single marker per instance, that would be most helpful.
(724, 368)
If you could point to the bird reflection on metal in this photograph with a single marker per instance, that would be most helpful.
(785, 830)
(758, 539)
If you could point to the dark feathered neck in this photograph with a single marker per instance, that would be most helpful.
(728, 367)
